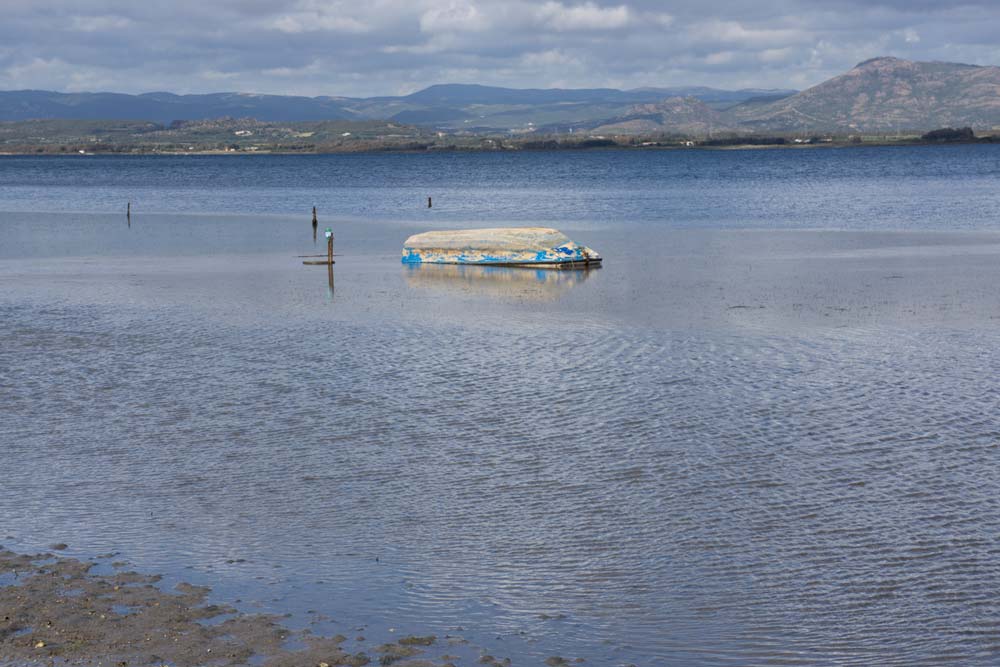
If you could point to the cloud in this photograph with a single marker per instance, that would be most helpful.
(343, 47)
(69, 77)
(316, 22)
(552, 58)
(587, 16)
(734, 32)
(314, 16)
(660, 18)
(100, 23)
(453, 16)
(720, 58)
(776, 55)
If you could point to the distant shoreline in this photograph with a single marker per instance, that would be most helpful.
(512, 147)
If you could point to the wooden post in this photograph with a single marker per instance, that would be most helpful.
(128, 213)
(329, 252)
(315, 221)
(428, 202)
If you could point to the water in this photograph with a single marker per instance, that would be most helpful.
(768, 442)
(858, 188)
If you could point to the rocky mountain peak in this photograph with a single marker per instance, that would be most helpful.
(880, 61)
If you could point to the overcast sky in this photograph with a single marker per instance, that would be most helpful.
(388, 47)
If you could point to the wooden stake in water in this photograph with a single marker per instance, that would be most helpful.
(128, 213)
(329, 251)
(428, 202)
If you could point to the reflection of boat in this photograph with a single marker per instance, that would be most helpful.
(495, 281)
(509, 246)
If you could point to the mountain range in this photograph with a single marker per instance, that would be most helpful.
(880, 95)
(454, 107)
(885, 94)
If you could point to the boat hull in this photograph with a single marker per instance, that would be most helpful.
(534, 247)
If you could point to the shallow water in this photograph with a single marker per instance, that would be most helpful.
(754, 447)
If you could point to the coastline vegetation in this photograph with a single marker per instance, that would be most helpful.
(248, 136)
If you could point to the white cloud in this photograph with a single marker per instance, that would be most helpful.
(587, 16)
(551, 58)
(734, 32)
(56, 73)
(100, 23)
(456, 15)
(216, 75)
(317, 21)
(720, 58)
(659, 18)
(33, 67)
(436, 44)
(775, 55)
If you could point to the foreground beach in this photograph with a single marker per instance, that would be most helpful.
(99, 612)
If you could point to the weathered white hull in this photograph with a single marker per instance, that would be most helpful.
(537, 247)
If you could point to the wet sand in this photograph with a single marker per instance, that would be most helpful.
(58, 610)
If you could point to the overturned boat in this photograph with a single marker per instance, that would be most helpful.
(537, 247)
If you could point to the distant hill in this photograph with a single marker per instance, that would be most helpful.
(674, 115)
(165, 107)
(450, 106)
(475, 108)
(883, 95)
(458, 95)
(721, 99)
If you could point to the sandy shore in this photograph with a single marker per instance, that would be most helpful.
(58, 610)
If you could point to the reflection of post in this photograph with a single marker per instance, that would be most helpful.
(329, 275)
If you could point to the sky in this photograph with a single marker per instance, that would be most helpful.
(394, 47)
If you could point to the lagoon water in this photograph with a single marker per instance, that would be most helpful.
(766, 432)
